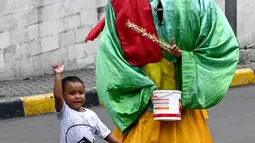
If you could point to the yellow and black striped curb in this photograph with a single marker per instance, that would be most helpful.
(38, 104)
(44, 103)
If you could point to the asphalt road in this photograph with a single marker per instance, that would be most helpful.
(232, 121)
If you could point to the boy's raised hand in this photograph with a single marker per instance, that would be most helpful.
(58, 68)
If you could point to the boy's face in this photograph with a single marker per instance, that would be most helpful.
(74, 95)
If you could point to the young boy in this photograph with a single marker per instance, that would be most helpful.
(77, 124)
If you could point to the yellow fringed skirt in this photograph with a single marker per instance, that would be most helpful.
(191, 129)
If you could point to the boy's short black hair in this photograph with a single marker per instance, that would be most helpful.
(70, 79)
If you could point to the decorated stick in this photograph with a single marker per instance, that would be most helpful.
(143, 32)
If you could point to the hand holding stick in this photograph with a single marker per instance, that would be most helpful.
(171, 49)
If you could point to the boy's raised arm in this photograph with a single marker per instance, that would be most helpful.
(59, 101)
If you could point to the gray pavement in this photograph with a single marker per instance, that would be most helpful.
(41, 85)
(232, 121)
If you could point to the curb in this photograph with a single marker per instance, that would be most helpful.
(44, 103)
(38, 104)
(243, 77)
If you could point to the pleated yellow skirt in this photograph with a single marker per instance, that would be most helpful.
(191, 129)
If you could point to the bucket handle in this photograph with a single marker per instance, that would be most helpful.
(163, 96)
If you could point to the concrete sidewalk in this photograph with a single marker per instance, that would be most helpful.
(21, 98)
(42, 85)
(33, 96)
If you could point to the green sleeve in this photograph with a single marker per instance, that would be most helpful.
(207, 70)
(124, 90)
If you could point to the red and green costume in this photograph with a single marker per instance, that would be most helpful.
(210, 54)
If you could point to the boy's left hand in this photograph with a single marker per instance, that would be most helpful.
(58, 68)
(111, 139)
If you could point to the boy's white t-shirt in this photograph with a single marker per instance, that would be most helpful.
(80, 127)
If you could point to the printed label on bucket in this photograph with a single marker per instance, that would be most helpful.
(167, 105)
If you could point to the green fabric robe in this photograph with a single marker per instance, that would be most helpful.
(210, 53)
